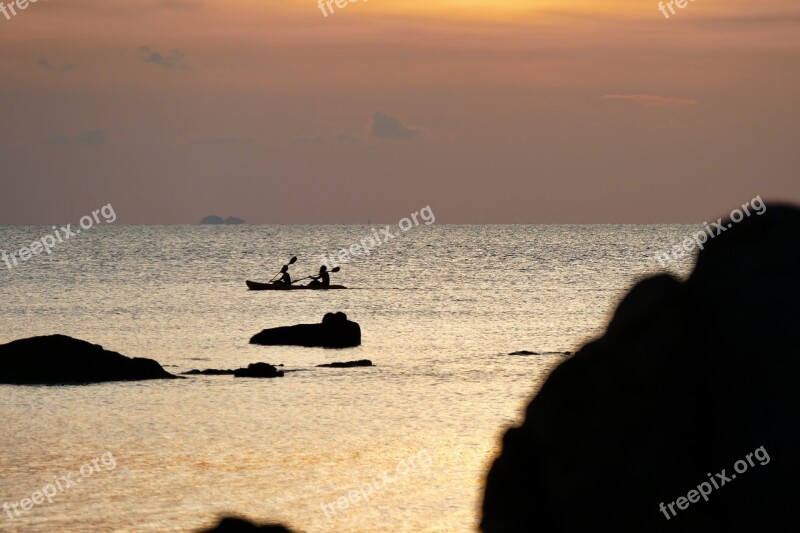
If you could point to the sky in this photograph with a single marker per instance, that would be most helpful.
(488, 111)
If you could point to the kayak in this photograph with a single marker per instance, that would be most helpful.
(256, 286)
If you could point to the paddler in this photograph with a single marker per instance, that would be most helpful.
(323, 278)
(286, 279)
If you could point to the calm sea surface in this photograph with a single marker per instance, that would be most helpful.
(439, 307)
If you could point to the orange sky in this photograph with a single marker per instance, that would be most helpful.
(489, 111)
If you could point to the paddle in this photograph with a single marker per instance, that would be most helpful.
(292, 261)
(335, 269)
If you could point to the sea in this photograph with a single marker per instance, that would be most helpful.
(403, 446)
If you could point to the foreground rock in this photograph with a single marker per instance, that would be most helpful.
(240, 525)
(58, 359)
(335, 331)
(693, 388)
(347, 364)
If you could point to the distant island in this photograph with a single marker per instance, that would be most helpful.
(214, 219)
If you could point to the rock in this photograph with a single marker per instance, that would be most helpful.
(214, 219)
(240, 525)
(335, 331)
(58, 359)
(690, 378)
(258, 370)
(209, 372)
(347, 364)
(218, 372)
(526, 352)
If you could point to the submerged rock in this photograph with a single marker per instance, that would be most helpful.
(335, 331)
(254, 370)
(258, 370)
(347, 364)
(526, 352)
(692, 379)
(240, 525)
(209, 372)
(58, 359)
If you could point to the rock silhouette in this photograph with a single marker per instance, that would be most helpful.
(210, 372)
(528, 352)
(335, 331)
(214, 219)
(255, 370)
(58, 359)
(689, 378)
(240, 525)
(258, 370)
(347, 364)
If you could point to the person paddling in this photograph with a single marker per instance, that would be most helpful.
(285, 279)
(323, 279)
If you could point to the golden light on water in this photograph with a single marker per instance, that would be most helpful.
(472, 9)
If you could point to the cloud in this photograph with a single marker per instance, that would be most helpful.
(317, 140)
(756, 20)
(181, 5)
(387, 127)
(647, 100)
(308, 141)
(671, 124)
(87, 138)
(174, 59)
(224, 140)
(383, 126)
(45, 64)
(347, 139)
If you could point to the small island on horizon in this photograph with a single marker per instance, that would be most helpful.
(214, 219)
